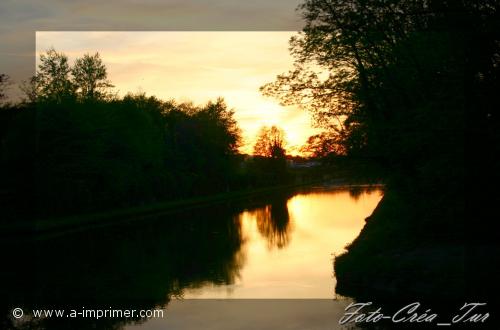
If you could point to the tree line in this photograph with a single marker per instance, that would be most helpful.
(395, 81)
(405, 84)
(73, 146)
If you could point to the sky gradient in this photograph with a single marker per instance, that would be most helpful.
(197, 67)
(20, 19)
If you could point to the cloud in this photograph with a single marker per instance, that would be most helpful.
(21, 18)
(196, 66)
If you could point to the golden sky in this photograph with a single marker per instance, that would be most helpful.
(196, 66)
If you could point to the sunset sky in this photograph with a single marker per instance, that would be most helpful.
(196, 66)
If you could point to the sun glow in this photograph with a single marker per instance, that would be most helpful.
(197, 67)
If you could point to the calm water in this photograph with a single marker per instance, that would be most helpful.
(288, 246)
(275, 246)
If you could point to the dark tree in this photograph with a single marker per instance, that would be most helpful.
(394, 79)
(397, 82)
(4, 84)
(110, 152)
(90, 77)
(270, 142)
(323, 145)
(269, 162)
(52, 80)
(201, 143)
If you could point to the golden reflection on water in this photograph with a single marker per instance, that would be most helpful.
(289, 245)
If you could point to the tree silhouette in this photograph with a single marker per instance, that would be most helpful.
(269, 164)
(273, 223)
(90, 77)
(4, 84)
(386, 77)
(121, 151)
(323, 145)
(270, 142)
(52, 80)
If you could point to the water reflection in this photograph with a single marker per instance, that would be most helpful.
(273, 222)
(277, 246)
(289, 243)
(130, 267)
(356, 191)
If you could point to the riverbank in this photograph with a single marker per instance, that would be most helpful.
(92, 220)
(338, 175)
(78, 222)
(410, 249)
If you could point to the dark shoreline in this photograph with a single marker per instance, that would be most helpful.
(405, 252)
(115, 216)
(110, 217)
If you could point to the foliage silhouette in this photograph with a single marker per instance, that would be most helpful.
(72, 147)
(395, 82)
(270, 142)
(273, 223)
(323, 145)
(388, 78)
(269, 163)
(52, 80)
(132, 266)
(5, 82)
(90, 77)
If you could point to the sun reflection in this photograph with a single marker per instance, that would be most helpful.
(340, 214)
(290, 243)
(272, 222)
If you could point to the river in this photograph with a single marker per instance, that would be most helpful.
(250, 253)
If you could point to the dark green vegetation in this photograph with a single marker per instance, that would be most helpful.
(395, 82)
(87, 155)
(401, 84)
(72, 147)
